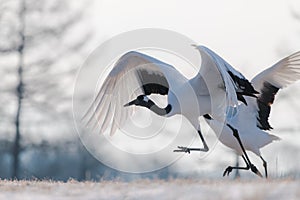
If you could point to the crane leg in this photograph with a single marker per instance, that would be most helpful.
(230, 168)
(237, 136)
(188, 149)
(265, 166)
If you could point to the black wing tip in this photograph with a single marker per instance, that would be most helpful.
(255, 92)
(241, 98)
(265, 127)
(264, 102)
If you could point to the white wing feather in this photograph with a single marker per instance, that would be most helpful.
(121, 86)
(282, 74)
(214, 70)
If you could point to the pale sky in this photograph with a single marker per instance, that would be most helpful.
(250, 35)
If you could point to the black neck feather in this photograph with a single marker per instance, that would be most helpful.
(153, 107)
(161, 111)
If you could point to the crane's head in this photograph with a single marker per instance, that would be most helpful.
(144, 101)
(141, 100)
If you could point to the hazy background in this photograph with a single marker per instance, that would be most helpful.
(43, 44)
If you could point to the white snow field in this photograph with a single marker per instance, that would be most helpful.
(153, 189)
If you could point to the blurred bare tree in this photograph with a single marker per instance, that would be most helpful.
(39, 42)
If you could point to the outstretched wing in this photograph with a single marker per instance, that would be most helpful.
(132, 75)
(216, 73)
(269, 81)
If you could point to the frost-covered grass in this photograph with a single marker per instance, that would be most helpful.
(152, 189)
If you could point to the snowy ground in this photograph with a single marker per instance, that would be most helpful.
(152, 189)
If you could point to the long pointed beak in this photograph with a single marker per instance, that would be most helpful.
(130, 103)
(194, 45)
(126, 105)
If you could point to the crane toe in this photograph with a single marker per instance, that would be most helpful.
(227, 171)
(182, 149)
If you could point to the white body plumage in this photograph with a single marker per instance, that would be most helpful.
(251, 121)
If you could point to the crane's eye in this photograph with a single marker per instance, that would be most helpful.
(141, 97)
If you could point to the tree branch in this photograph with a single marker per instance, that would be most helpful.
(8, 50)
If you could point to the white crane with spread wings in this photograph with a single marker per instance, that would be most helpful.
(136, 76)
